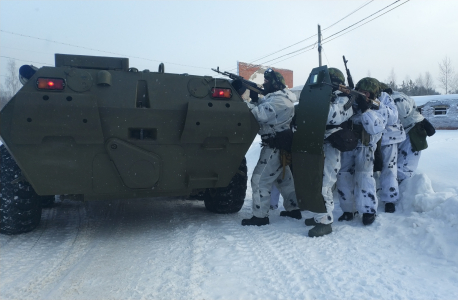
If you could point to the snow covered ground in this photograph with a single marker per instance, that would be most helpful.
(169, 248)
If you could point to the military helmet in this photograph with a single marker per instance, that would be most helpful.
(336, 75)
(385, 88)
(369, 84)
(275, 78)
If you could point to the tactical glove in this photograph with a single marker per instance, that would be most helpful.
(363, 105)
(254, 96)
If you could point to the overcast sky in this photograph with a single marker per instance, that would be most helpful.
(194, 36)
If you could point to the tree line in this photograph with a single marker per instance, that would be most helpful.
(424, 85)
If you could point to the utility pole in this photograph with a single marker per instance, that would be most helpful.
(319, 44)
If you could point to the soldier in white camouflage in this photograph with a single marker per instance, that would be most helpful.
(339, 112)
(392, 136)
(274, 113)
(413, 122)
(355, 180)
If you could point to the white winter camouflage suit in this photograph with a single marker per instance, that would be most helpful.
(274, 113)
(409, 116)
(392, 135)
(336, 116)
(355, 180)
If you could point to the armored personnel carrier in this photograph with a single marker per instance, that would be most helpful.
(94, 127)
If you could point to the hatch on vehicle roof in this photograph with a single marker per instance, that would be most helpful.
(92, 62)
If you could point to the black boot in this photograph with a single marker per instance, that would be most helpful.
(296, 214)
(310, 222)
(320, 230)
(347, 216)
(368, 218)
(389, 207)
(255, 221)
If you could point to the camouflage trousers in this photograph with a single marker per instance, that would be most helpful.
(407, 159)
(331, 167)
(267, 172)
(274, 197)
(389, 190)
(355, 181)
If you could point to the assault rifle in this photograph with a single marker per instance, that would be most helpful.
(375, 104)
(349, 78)
(246, 83)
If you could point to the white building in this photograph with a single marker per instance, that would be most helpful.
(440, 110)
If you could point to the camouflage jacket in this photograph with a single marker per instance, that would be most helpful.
(373, 122)
(394, 131)
(337, 113)
(274, 112)
(407, 109)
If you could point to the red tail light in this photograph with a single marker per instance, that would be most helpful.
(221, 93)
(50, 83)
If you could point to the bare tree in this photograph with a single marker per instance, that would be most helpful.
(454, 85)
(391, 80)
(419, 81)
(3, 96)
(12, 79)
(428, 83)
(368, 73)
(446, 74)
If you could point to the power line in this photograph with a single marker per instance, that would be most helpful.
(347, 15)
(311, 45)
(284, 49)
(292, 56)
(92, 49)
(338, 32)
(41, 63)
(366, 22)
(301, 50)
(28, 50)
(309, 36)
(362, 19)
(326, 57)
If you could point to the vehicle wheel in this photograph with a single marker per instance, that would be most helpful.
(20, 207)
(47, 201)
(229, 199)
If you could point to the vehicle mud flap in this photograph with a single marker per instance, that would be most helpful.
(307, 148)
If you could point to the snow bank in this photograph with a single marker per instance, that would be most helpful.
(417, 195)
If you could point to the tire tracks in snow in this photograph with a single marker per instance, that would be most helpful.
(175, 255)
(67, 241)
(21, 243)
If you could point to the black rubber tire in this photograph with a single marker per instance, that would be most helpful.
(20, 207)
(229, 199)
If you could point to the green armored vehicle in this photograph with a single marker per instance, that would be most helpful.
(93, 127)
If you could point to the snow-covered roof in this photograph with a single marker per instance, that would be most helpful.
(422, 100)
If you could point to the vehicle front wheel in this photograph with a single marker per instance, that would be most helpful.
(228, 199)
(20, 206)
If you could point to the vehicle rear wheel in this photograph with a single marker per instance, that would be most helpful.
(228, 199)
(20, 207)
